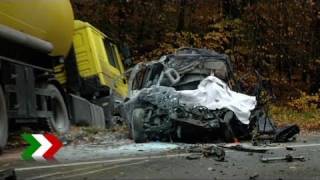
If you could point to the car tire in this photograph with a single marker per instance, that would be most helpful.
(3, 121)
(137, 130)
(227, 127)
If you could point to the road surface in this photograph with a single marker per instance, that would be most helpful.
(160, 161)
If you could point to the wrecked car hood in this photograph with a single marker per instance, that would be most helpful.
(215, 94)
(211, 93)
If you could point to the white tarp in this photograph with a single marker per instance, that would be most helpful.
(214, 94)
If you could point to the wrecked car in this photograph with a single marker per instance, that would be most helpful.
(188, 95)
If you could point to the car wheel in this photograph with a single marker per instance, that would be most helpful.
(227, 127)
(137, 130)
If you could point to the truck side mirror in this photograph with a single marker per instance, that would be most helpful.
(125, 50)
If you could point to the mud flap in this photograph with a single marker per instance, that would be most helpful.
(85, 113)
(107, 104)
(98, 119)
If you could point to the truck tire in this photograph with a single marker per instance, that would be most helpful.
(60, 122)
(3, 120)
(137, 130)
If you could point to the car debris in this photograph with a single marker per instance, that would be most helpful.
(206, 151)
(289, 148)
(192, 94)
(288, 158)
(193, 156)
(254, 176)
(211, 169)
(213, 151)
(245, 148)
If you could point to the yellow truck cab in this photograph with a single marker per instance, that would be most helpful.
(97, 59)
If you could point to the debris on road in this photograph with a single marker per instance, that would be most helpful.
(288, 158)
(193, 157)
(290, 148)
(214, 151)
(254, 176)
(245, 148)
(118, 135)
(205, 151)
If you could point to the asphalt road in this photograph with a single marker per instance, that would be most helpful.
(158, 161)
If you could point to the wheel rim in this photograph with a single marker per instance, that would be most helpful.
(60, 120)
(59, 117)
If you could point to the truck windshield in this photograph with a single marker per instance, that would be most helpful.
(111, 53)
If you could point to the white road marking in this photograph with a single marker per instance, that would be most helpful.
(102, 169)
(143, 158)
(60, 173)
(4, 165)
(296, 146)
(101, 161)
(280, 146)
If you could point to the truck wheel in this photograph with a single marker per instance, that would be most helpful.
(3, 121)
(60, 122)
(137, 130)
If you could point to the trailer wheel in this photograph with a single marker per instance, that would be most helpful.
(60, 122)
(3, 121)
(137, 130)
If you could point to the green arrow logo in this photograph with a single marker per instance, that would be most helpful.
(33, 146)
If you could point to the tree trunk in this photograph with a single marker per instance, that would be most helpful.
(181, 16)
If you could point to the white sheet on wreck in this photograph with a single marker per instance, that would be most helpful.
(214, 94)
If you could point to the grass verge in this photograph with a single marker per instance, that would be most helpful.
(307, 119)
